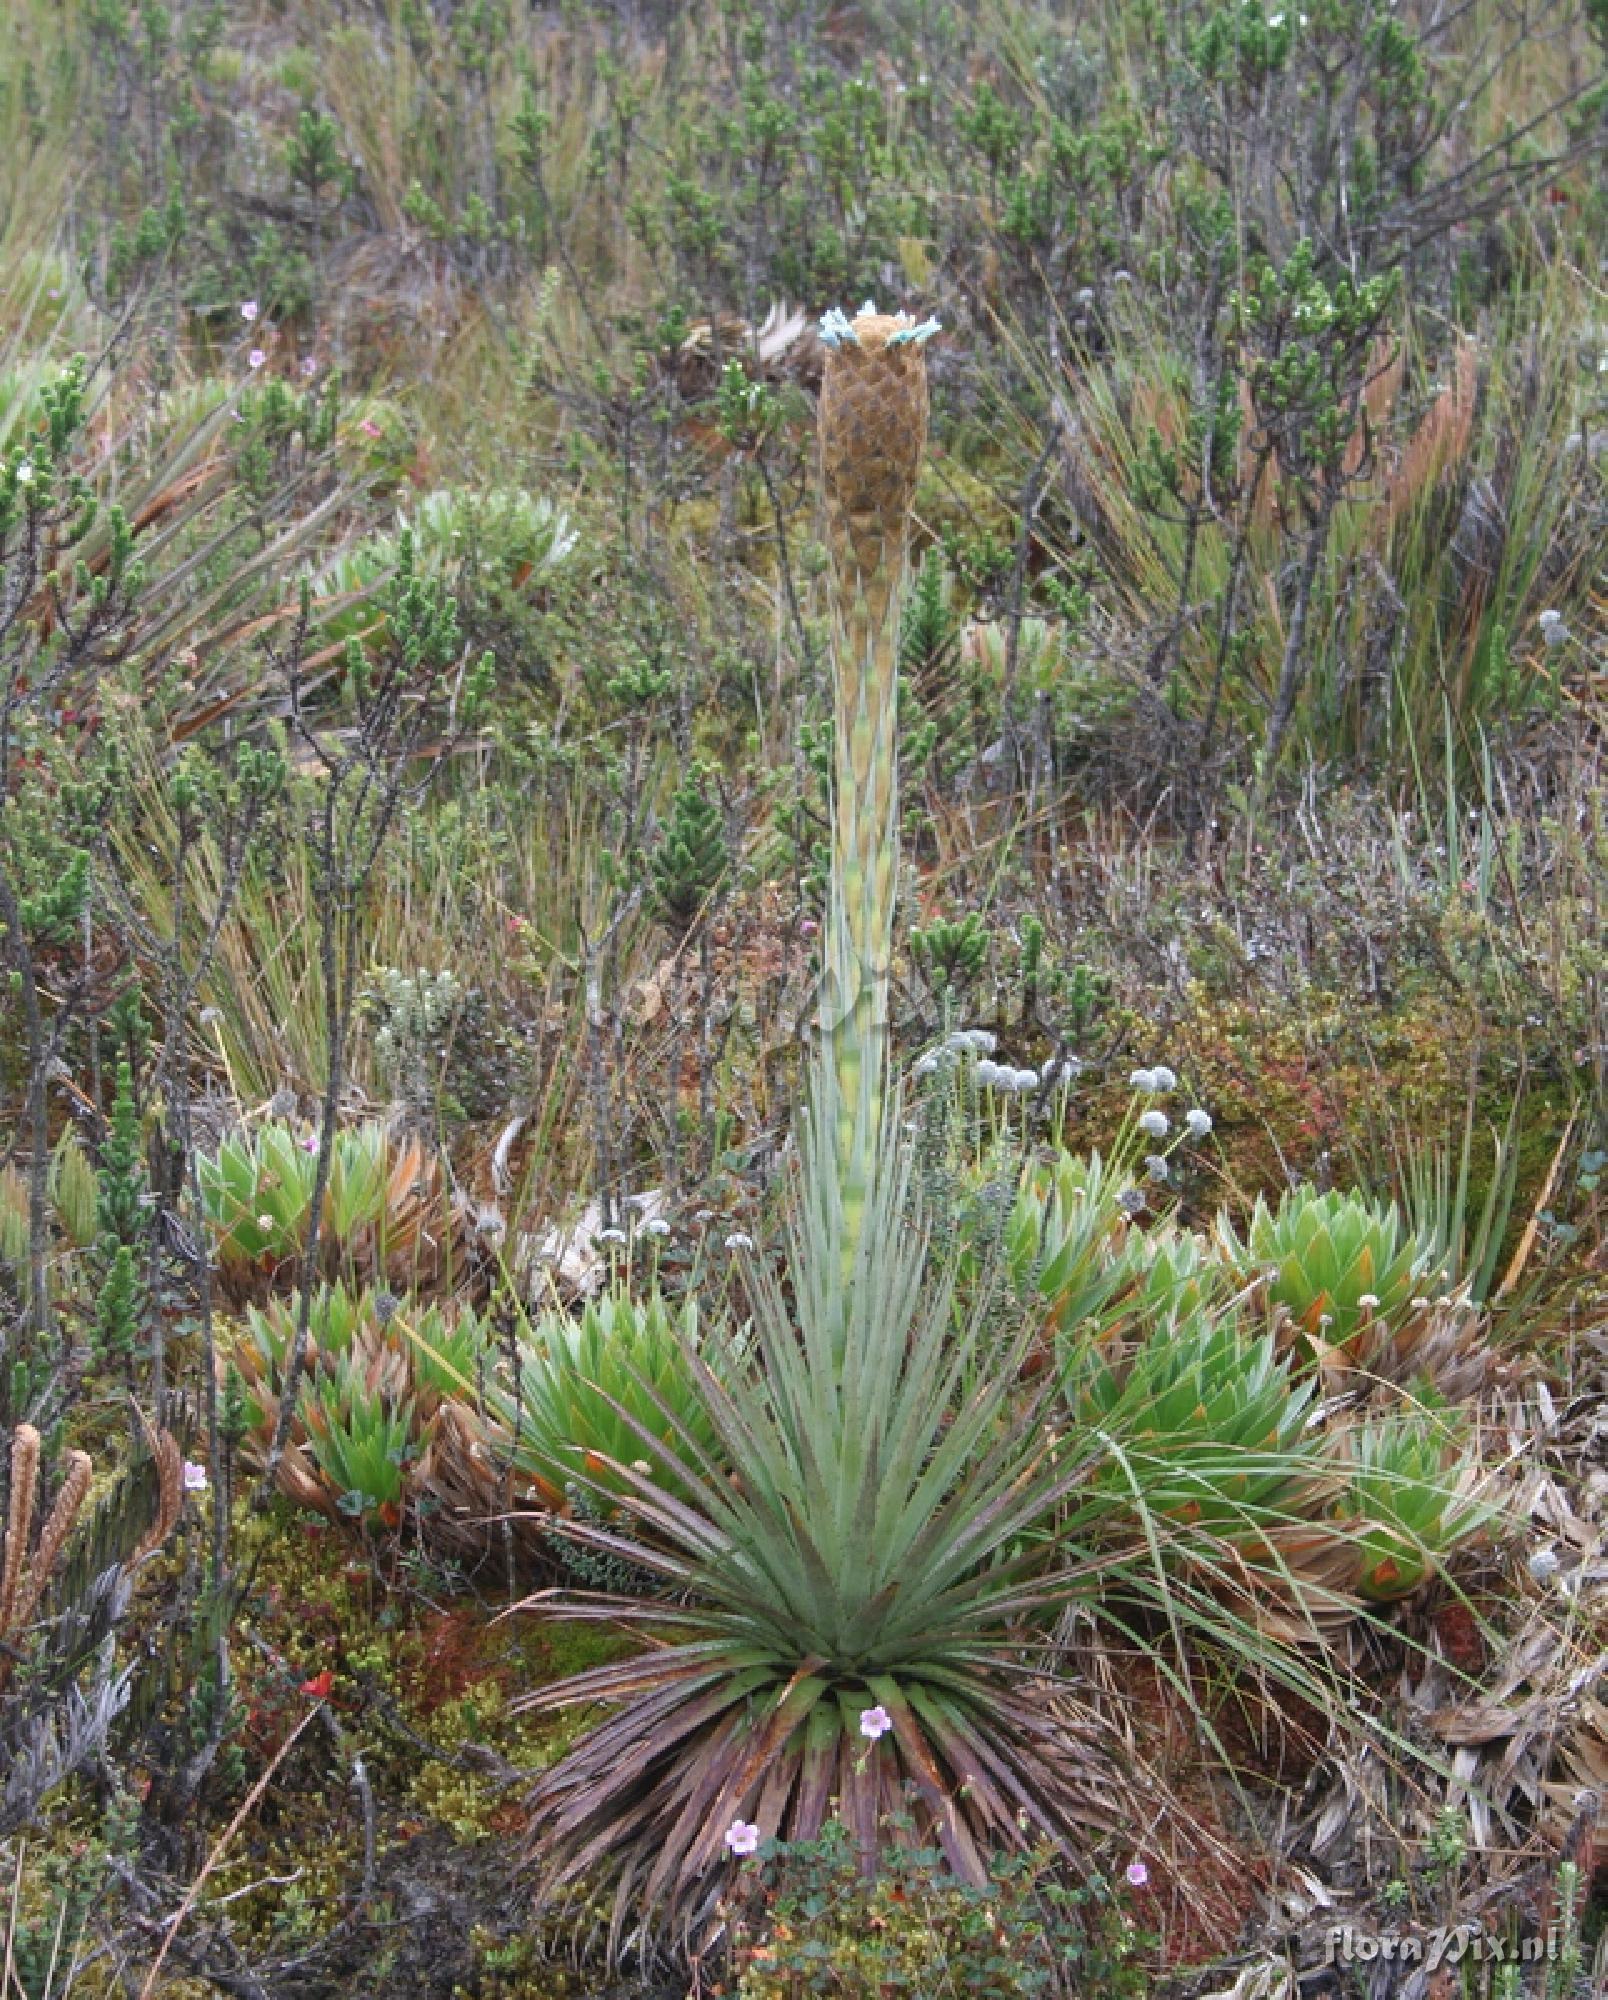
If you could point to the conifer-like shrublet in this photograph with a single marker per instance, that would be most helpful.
(692, 857)
(120, 1211)
(122, 1220)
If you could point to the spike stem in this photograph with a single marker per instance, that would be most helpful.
(873, 422)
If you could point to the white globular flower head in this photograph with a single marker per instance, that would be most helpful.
(1157, 1168)
(739, 1240)
(611, 1236)
(1154, 1124)
(656, 1226)
(1199, 1122)
(837, 329)
(991, 1075)
(1553, 629)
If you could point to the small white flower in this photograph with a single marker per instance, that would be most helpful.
(1553, 629)
(25, 473)
(265, 1222)
(1024, 1080)
(989, 1073)
(875, 1722)
(1544, 1565)
(1369, 1302)
(1142, 1079)
(1157, 1167)
(641, 1465)
(656, 1226)
(742, 1837)
(1154, 1124)
(739, 1240)
(980, 1041)
(611, 1236)
(1199, 1122)
(1165, 1080)
(195, 1477)
(248, 309)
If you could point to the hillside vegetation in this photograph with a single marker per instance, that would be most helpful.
(793, 1206)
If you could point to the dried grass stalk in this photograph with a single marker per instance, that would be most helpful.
(19, 1521)
(1441, 439)
(169, 1461)
(63, 1518)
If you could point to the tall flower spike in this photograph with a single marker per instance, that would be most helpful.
(873, 427)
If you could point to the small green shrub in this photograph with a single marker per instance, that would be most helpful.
(584, 1387)
(361, 1440)
(810, 1924)
(1339, 1263)
(1412, 1498)
(1206, 1427)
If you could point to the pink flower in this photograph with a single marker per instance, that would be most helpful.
(809, 927)
(369, 427)
(875, 1722)
(1136, 1874)
(248, 309)
(256, 358)
(309, 365)
(195, 1477)
(742, 1836)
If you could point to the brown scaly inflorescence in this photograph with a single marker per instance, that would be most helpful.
(873, 429)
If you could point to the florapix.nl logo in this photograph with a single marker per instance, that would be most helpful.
(1445, 1945)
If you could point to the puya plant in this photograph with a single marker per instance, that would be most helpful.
(844, 1595)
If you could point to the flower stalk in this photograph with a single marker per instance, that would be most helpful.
(873, 427)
